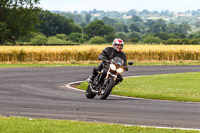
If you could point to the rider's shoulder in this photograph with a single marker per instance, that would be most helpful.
(123, 53)
(109, 48)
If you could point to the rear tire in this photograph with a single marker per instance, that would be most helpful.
(105, 93)
(89, 94)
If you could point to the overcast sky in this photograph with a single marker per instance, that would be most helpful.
(120, 5)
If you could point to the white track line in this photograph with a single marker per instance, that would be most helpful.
(69, 86)
(77, 82)
(171, 128)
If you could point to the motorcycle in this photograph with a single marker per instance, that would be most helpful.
(104, 85)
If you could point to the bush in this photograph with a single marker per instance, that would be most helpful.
(77, 37)
(61, 36)
(132, 35)
(110, 38)
(55, 40)
(151, 39)
(97, 40)
(121, 35)
(133, 40)
(39, 39)
(184, 41)
(171, 41)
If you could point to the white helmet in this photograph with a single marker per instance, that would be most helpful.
(116, 42)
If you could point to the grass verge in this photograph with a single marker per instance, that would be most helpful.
(47, 64)
(175, 87)
(26, 125)
(90, 63)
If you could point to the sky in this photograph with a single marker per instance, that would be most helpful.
(119, 5)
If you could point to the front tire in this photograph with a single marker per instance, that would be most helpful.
(89, 94)
(106, 92)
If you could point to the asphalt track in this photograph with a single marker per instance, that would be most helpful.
(42, 93)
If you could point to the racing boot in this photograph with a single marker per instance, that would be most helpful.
(90, 78)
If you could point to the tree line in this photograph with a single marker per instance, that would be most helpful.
(23, 21)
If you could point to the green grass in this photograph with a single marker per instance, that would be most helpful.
(26, 125)
(44, 65)
(175, 87)
(165, 63)
(85, 63)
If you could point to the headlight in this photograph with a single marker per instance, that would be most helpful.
(120, 70)
(113, 67)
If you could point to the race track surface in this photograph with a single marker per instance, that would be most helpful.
(41, 93)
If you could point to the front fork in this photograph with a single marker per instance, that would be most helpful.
(107, 77)
(108, 73)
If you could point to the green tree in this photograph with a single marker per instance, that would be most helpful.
(149, 22)
(119, 27)
(78, 19)
(39, 39)
(144, 12)
(134, 40)
(170, 41)
(87, 18)
(172, 28)
(195, 35)
(98, 28)
(157, 27)
(184, 41)
(110, 38)
(52, 24)
(19, 17)
(131, 12)
(184, 28)
(132, 34)
(109, 21)
(151, 39)
(134, 27)
(197, 23)
(121, 35)
(61, 36)
(76, 37)
(134, 19)
(163, 35)
(97, 40)
(55, 40)
(3, 32)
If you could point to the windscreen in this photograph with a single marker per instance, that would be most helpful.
(118, 61)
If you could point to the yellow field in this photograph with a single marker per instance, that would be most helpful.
(91, 52)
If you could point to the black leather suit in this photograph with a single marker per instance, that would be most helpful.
(110, 53)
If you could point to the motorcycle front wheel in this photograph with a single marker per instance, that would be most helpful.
(106, 91)
(89, 94)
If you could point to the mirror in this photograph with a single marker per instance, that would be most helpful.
(130, 63)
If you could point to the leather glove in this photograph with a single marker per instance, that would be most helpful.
(100, 57)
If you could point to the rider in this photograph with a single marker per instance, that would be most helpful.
(108, 54)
